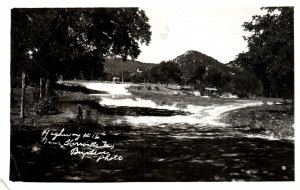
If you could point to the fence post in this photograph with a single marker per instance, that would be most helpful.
(22, 115)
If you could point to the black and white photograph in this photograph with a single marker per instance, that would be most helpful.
(152, 94)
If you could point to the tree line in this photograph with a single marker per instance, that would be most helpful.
(270, 55)
(266, 69)
(50, 42)
(239, 82)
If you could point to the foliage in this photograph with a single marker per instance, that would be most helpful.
(271, 50)
(73, 42)
(244, 84)
(46, 107)
(139, 71)
(88, 113)
(79, 115)
(214, 77)
(154, 73)
(166, 71)
(198, 77)
(190, 61)
(270, 120)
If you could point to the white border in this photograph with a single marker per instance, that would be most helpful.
(5, 92)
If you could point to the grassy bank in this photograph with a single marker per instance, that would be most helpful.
(174, 96)
(69, 97)
(275, 120)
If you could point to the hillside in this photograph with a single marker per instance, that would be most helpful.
(186, 62)
(115, 67)
(232, 64)
(189, 61)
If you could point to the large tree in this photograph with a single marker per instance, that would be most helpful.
(270, 54)
(73, 42)
(166, 71)
(198, 78)
(56, 41)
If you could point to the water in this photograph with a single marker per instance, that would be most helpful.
(195, 146)
(160, 143)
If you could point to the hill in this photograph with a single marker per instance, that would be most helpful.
(189, 61)
(115, 67)
(186, 62)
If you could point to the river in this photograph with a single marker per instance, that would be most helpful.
(195, 146)
(157, 143)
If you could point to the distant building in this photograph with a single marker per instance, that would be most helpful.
(210, 91)
(116, 79)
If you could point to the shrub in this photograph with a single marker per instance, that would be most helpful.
(52, 96)
(88, 113)
(79, 113)
(45, 107)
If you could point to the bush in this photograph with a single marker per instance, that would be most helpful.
(45, 107)
(79, 116)
(52, 96)
(88, 114)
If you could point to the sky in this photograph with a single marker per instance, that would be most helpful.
(214, 31)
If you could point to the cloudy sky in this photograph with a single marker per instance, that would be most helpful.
(214, 31)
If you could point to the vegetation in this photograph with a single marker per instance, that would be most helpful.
(172, 95)
(73, 42)
(271, 51)
(50, 43)
(271, 120)
(193, 71)
(244, 84)
(132, 70)
(166, 71)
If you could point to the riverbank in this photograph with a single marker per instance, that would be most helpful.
(274, 120)
(174, 96)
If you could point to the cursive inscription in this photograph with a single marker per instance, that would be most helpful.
(84, 145)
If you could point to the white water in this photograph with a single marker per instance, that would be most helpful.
(118, 95)
(195, 125)
(111, 88)
(200, 116)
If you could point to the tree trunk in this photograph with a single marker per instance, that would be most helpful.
(167, 84)
(47, 87)
(198, 86)
(22, 115)
(41, 88)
